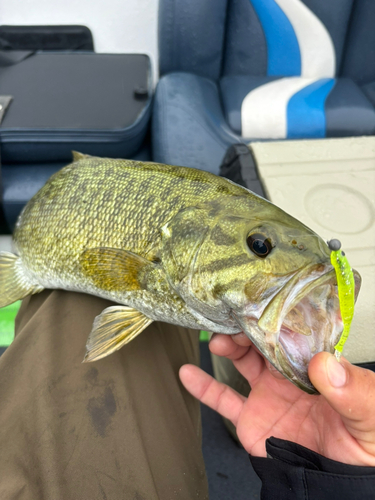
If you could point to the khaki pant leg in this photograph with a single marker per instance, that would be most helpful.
(119, 428)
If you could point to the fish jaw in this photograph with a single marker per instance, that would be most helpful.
(301, 320)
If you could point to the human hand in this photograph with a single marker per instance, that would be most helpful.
(339, 423)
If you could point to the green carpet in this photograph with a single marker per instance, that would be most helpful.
(204, 336)
(7, 316)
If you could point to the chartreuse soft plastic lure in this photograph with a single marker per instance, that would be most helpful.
(346, 289)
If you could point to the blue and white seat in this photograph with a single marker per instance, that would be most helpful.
(261, 69)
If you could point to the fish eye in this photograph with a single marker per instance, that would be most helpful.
(259, 244)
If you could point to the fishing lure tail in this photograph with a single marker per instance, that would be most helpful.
(346, 291)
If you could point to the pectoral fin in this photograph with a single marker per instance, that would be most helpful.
(113, 328)
(113, 269)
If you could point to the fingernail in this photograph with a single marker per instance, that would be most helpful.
(336, 372)
(239, 335)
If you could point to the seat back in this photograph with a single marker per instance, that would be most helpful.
(191, 36)
(317, 38)
(286, 37)
(282, 65)
(359, 56)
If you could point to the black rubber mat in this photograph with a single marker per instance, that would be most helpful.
(229, 471)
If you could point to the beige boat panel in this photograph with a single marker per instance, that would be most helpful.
(311, 150)
(329, 185)
(6, 243)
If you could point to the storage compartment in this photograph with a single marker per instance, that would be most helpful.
(98, 104)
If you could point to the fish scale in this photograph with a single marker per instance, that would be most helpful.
(114, 219)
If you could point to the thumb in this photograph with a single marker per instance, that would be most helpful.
(350, 390)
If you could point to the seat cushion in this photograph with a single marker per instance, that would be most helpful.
(294, 107)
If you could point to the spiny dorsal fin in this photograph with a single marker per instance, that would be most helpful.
(113, 328)
(79, 156)
(14, 285)
(113, 269)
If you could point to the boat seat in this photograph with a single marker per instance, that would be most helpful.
(242, 70)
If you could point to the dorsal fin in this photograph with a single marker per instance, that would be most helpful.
(79, 156)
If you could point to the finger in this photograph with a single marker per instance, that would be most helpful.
(241, 339)
(251, 366)
(274, 371)
(247, 360)
(223, 345)
(212, 393)
(350, 390)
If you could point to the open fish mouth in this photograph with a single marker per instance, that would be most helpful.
(309, 322)
(302, 319)
(313, 325)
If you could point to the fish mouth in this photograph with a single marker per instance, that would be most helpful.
(302, 319)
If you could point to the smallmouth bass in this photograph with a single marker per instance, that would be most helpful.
(178, 245)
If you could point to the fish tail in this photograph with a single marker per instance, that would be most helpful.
(14, 283)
